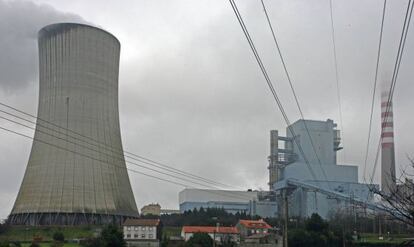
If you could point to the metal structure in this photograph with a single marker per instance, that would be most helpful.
(279, 157)
(388, 182)
(76, 173)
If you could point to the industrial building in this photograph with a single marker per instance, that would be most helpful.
(76, 173)
(250, 202)
(309, 172)
(320, 184)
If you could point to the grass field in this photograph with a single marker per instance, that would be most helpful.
(168, 231)
(48, 245)
(373, 238)
(23, 234)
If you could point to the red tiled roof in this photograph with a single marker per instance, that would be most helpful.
(141, 222)
(261, 224)
(210, 229)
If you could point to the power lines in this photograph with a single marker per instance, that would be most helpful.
(338, 89)
(101, 148)
(375, 86)
(400, 52)
(292, 88)
(269, 83)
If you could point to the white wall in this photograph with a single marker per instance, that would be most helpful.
(140, 232)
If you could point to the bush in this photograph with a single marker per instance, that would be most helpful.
(111, 236)
(4, 244)
(200, 239)
(58, 236)
(34, 244)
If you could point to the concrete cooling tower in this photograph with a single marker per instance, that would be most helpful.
(76, 173)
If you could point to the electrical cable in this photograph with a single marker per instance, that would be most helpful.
(338, 89)
(397, 64)
(102, 145)
(292, 88)
(374, 88)
(269, 83)
(108, 163)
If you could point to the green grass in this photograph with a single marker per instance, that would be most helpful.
(48, 245)
(169, 231)
(373, 238)
(23, 234)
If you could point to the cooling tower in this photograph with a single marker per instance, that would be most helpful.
(76, 173)
(388, 183)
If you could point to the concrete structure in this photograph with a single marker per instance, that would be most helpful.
(153, 209)
(76, 173)
(142, 232)
(217, 233)
(322, 170)
(388, 182)
(248, 202)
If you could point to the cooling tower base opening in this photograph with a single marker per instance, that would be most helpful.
(68, 219)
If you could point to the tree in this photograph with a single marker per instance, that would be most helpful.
(200, 240)
(58, 236)
(315, 233)
(111, 236)
(399, 203)
(316, 224)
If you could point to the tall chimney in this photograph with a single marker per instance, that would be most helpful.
(273, 158)
(388, 183)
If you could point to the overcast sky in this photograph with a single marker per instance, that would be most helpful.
(191, 94)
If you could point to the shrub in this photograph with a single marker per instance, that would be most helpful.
(58, 236)
(200, 239)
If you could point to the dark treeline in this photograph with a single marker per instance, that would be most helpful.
(207, 217)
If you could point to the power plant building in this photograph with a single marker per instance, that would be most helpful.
(313, 165)
(76, 173)
(248, 202)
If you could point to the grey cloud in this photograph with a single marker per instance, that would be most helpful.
(191, 94)
(19, 23)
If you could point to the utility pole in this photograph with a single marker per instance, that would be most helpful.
(286, 214)
(379, 225)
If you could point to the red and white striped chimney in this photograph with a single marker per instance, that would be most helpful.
(388, 183)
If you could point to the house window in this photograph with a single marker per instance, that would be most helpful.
(135, 235)
(143, 228)
(128, 235)
(136, 228)
(150, 236)
(142, 235)
(129, 228)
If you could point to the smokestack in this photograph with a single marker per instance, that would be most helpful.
(273, 169)
(388, 183)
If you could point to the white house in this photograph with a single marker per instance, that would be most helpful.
(142, 232)
(218, 233)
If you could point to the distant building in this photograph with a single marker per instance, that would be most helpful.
(151, 209)
(142, 232)
(248, 202)
(218, 233)
(248, 228)
(170, 211)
